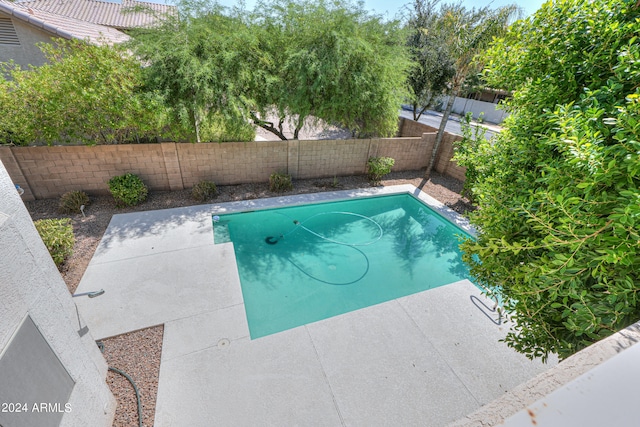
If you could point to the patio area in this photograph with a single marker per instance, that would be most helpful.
(426, 359)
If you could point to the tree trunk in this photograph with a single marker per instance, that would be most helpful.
(417, 116)
(299, 126)
(269, 126)
(196, 120)
(440, 135)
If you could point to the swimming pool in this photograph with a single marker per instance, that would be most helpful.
(306, 263)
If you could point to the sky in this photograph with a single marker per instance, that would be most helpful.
(391, 8)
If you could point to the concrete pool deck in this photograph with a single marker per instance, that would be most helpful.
(424, 359)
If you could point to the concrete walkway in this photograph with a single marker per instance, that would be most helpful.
(425, 359)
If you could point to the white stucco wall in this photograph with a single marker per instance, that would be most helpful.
(30, 284)
(489, 111)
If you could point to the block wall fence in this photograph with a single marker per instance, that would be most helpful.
(49, 172)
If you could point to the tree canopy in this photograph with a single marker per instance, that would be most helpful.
(468, 34)
(432, 66)
(201, 62)
(338, 63)
(295, 58)
(558, 188)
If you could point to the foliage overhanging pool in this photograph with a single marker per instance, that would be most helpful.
(305, 263)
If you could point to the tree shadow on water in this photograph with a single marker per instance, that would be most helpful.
(416, 234)
(299, 251)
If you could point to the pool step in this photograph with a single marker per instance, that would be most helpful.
(221, 233)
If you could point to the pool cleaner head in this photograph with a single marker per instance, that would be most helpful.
(272, 240)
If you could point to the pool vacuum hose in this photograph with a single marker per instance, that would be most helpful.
(271, 240)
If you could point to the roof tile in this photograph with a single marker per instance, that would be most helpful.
(63, 26)
(116, 15)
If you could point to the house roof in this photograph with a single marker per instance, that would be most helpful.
(117, 15)
(63, 26)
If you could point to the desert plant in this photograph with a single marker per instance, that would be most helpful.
(204, 190)
(57, 236)
(280, 182)
(71, 201)
(377, 167)
(127, 190)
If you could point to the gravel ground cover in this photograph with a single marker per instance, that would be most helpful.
(138, 353)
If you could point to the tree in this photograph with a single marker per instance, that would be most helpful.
(85, 93)
(201, 61)
(431, 67)
(558, 189)
(297, 58)
(469, 33)
(332, 61)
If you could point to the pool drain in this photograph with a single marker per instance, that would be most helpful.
(224, 342)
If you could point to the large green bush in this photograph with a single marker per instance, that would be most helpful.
(559, 188)
(128, 190)
(57, 235)
(84, 93)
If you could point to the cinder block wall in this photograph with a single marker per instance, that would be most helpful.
(408, 153)
(52, 171)
(231, 162)
(411, 128)
(443, 164)
(317, 159)
(48, 172)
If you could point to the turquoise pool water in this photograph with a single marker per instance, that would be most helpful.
(302, 264)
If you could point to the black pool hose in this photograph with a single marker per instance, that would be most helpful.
(135, 388)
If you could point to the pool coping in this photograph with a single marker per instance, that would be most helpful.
(338, 195)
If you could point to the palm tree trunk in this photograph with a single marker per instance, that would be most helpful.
(440, 134)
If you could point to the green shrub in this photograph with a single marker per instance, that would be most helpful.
(71, 201)
(57, 235)
(377, 167)
(127, 190)
(204, 190)
(280, 182)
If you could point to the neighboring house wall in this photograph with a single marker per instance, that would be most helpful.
(21, 28)
(41, 333)
(26, 52)
(47, 172)
(489, 110)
